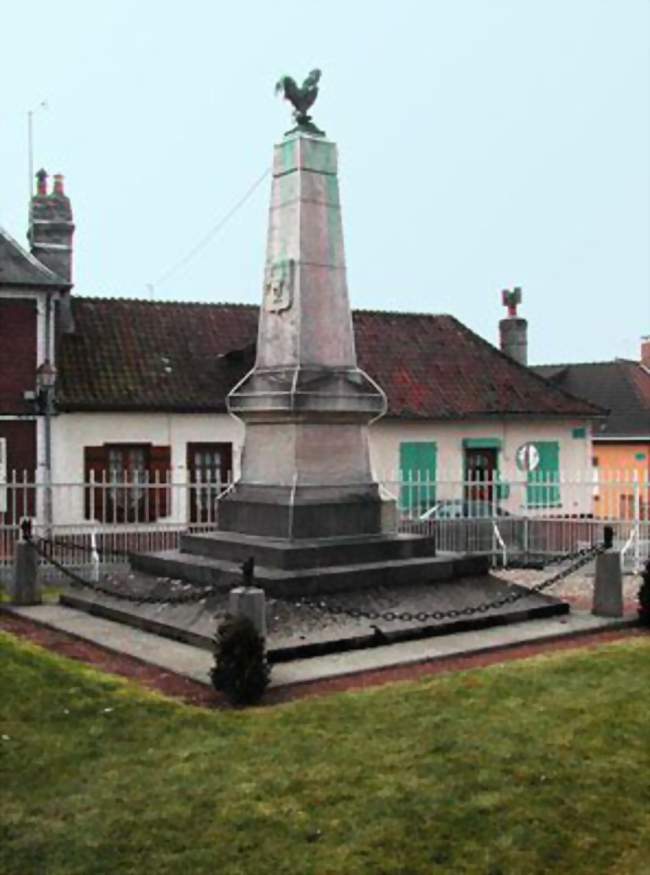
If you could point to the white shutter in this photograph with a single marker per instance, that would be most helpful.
(3, 475)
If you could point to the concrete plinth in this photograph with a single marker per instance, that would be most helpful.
(310, 567)
(306, 511)
(249, 602)
(294, 631)
(280, 554)
(608, 585)
(24, 588)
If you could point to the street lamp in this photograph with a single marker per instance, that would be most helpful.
(45, 383)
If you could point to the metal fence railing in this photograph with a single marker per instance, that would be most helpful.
(533, 516)
(536, 515)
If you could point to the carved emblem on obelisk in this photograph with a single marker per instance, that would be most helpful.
(278, 288)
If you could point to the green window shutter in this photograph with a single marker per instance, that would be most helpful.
(503, 488)
(417, 462)
(543, 489)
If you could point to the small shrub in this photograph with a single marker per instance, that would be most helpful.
(644, 596)
(240, 671)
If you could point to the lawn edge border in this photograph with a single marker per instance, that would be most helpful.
(410, 670)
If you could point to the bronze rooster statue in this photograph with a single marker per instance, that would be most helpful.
(301, 98)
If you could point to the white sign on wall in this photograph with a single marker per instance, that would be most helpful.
(3, 475)
(527, 457)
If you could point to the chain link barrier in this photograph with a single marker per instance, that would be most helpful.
(578, 559)
(87, 549)
(197, 594)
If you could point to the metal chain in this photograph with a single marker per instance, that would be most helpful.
(335, 609)
(578, 559)
(181, 599)
(83, 548)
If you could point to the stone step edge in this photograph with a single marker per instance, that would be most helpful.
(288, 652)
(263, 572)
(323, 552)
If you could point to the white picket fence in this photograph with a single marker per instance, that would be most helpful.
(534, 516)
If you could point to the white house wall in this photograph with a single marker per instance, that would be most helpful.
(575, 453)
(72, 432)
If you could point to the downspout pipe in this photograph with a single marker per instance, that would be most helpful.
(49, 403)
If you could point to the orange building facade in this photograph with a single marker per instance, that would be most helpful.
(622, 474)
(621, 440)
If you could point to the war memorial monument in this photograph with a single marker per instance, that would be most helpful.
(306, 507)
(306, 518)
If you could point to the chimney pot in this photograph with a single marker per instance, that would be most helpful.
(41, 183)
(58, 184)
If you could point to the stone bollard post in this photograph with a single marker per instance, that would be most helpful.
(25, 588)
(608, 585)
(250, 602)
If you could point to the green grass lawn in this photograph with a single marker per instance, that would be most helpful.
(539, 766)
(49, 594)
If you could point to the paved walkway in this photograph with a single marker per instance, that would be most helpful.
(195, 663)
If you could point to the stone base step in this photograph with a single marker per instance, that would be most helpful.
(224, 574)
(294, 635)
(314, 553)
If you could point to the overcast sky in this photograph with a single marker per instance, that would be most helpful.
(483, 144)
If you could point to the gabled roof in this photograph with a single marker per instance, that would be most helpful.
(19, 268)
(621, 386)
(433, 366)
(145, 355)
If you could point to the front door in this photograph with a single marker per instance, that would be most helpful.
(480, 474)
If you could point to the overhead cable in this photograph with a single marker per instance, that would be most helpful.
(203, 242)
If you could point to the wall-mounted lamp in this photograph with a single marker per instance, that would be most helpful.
(45, 384)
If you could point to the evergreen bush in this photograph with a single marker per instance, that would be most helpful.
(241, 670)
(644, 596)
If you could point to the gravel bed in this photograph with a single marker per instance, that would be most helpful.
(576, 588)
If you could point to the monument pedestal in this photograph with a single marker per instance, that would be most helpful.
(306, 511)
(310, 567)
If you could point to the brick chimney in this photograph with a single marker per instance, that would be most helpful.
(645, 351)
(513, 330)
(51, 226)
(50, 237)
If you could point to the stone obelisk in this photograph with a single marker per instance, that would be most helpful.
(306, 405)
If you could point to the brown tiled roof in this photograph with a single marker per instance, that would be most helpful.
(127, 355)
(621, 386)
